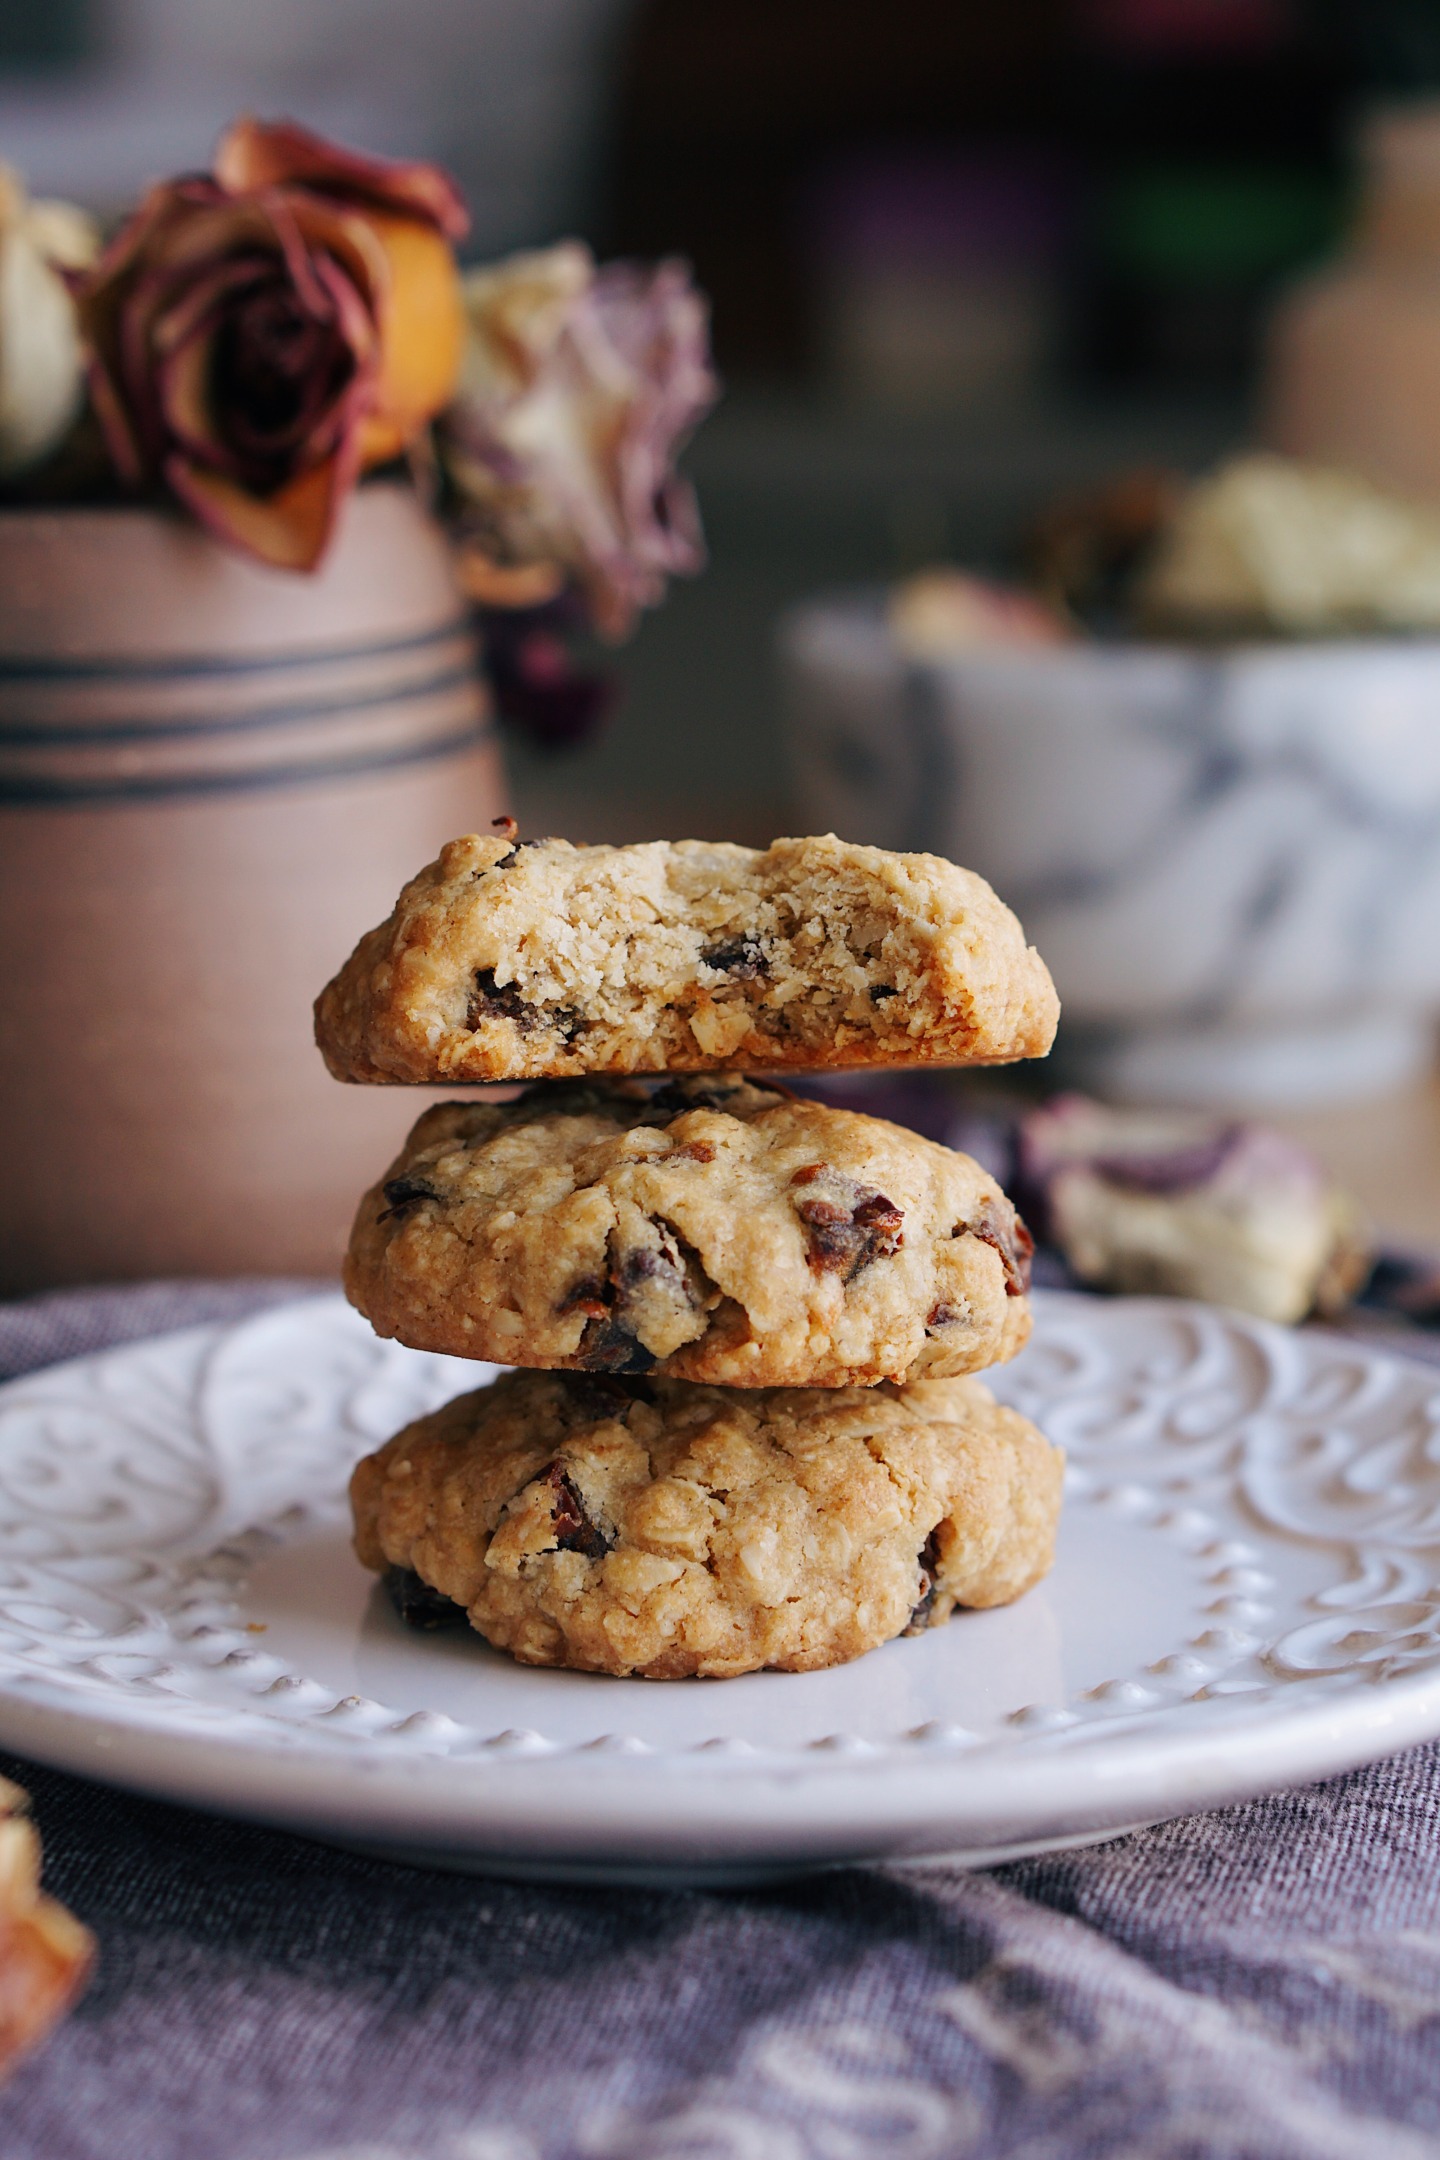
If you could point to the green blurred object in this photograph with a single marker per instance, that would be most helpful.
(1187, 225)
(39, 35)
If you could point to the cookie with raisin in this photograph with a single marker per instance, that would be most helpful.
(515, 960)
(713, 1229)
(634, 1526)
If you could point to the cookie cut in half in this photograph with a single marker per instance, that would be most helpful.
(715, 1229)
(508, 960)
(653, 1528)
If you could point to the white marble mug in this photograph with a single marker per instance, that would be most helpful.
(1229, 857)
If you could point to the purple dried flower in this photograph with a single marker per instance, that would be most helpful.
(577, 390)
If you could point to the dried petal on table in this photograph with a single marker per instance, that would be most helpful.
(45, 1954)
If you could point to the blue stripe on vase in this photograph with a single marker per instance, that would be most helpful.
(45, 794)
(16, 668)
(15, 735)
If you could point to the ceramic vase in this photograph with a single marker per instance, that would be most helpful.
(213, 778)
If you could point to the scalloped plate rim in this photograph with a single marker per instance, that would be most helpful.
(975, 1804)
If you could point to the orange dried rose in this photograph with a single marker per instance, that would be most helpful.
(258, 337)
(416, 214)
(45, 1954)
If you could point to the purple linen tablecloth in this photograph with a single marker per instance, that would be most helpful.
(1262, 1983)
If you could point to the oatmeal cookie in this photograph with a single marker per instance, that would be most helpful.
(717, 1229)
(655, 1528)
(508, 960)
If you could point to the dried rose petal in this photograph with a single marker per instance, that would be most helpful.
(1192, 1205)
(265, 154)
(45, 1954)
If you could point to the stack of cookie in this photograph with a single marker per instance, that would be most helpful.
(744, 1432)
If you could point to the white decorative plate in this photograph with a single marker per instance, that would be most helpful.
(1247, 1595)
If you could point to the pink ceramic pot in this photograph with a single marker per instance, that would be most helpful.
(213, 777)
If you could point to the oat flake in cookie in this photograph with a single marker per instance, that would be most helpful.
(715, 1230)
(535, 960)
(649, 1527)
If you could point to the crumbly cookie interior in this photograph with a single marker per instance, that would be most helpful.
(709, 941)
(531, 959)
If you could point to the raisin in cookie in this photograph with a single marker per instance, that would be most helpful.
(718, 1229)
(539, 960)
(666, 1530)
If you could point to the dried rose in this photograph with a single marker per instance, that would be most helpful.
(416, 214)
(42, 375)
(257, 338)
(578, 386)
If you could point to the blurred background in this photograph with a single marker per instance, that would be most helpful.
(961, 256)
(964, 259)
